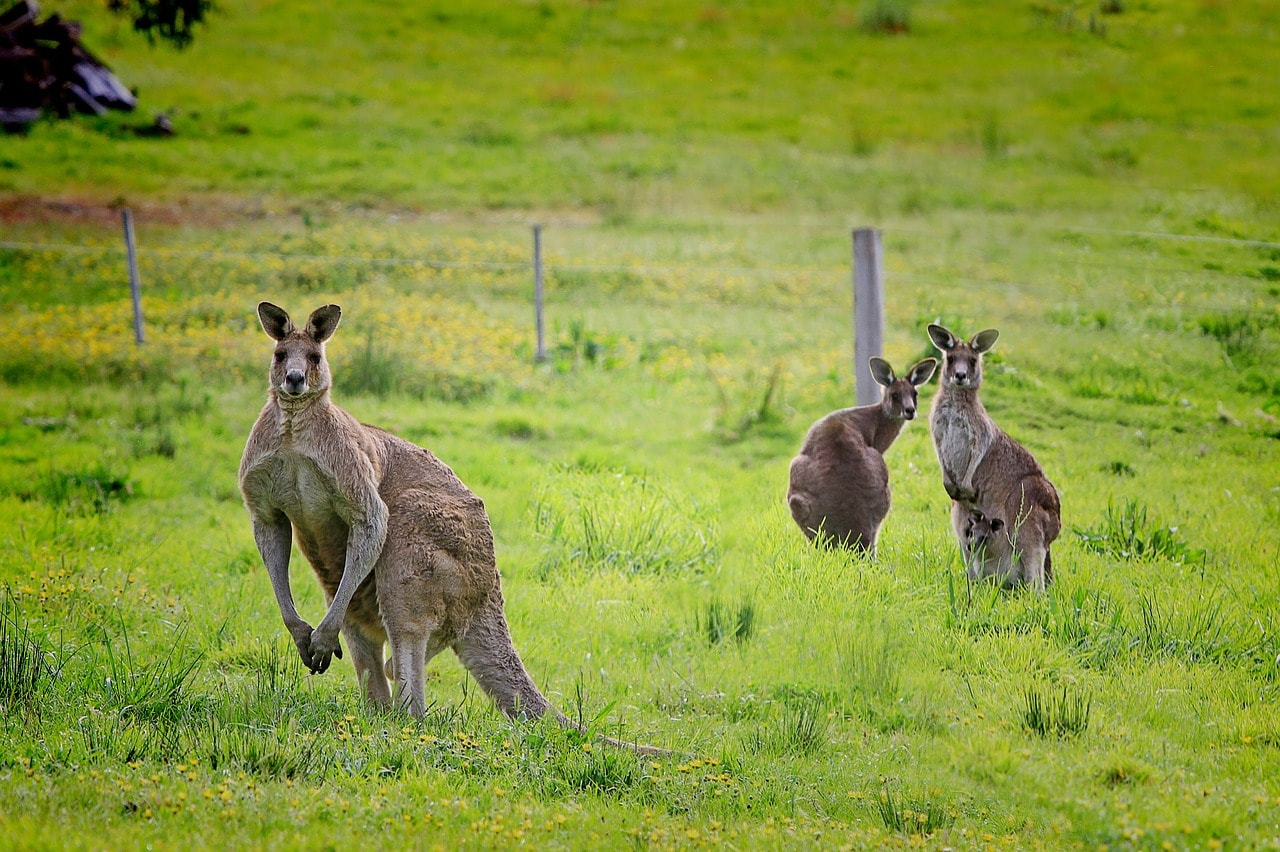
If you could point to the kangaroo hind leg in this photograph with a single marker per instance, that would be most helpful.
(485, 648)
(366, 657)
(410, 653)
(413, 613)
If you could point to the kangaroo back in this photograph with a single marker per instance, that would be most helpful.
(838, 485)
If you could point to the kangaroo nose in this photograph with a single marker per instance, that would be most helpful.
(961, 375)
(909, 413)
(295, 381)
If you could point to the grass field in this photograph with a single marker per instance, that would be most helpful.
(1097, 184)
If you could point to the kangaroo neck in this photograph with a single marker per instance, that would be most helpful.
(298, 413)
(885, 432)
(958, 397)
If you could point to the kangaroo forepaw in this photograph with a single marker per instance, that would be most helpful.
(301, 633)
(318, 649)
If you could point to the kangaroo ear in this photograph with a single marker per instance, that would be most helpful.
(323, 322)
(275, 321)
(996, 525)
(984, 340)
(881, 371)
(922, 372)
(942, 338)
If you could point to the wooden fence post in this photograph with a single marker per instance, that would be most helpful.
(541, 354)
(868, 310)
(135, 286)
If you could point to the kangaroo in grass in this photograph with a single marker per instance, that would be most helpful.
(402, 548)
(985, 469)
(839, 483)
(984, 543)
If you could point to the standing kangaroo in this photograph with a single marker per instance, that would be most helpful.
(402, 548)
(839, 483)
(985, 469)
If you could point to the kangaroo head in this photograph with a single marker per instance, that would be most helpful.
(980, 529)
(899, 400)
(299, 368)
(962, 362)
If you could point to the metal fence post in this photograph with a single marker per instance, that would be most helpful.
(541, 354)
(868, 310)
(135, 286)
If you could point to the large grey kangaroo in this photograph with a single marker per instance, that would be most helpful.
(839, 484)
(986, 470)
(402, 548)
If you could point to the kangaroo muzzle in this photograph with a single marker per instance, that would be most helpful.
(295, 382)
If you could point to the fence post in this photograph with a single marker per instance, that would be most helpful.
(868, 310)
(135, 286)
(537, 293)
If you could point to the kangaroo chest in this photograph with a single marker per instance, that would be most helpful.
(300, 487)
(958, 436)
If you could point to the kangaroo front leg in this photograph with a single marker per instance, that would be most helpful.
(364, 546)
(965, 491)
(274, 537)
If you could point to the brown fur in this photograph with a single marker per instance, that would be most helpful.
(983, 468)
(839, 483)
(402, 548)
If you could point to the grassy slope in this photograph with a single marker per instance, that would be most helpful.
(708, 141)
(675, 109)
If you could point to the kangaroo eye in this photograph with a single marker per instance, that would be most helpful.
(280, 356)
(314, 358)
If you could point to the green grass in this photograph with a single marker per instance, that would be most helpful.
(697, 170)
(678, 110)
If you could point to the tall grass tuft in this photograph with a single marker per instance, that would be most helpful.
(995, 139)
(801, 729)
(601, 770)
(1126, 533)
(23, 668)
(582, 347)
(94, 490)
(281, 751)
(1243, 334)
(618, 521)
(371, 369)
(1197, 631)
(1065, 715)
(723, 621)
(755, 409)
(870, 670)
(1090, 624)
(151, 691)
(886, 16)
(910, 816)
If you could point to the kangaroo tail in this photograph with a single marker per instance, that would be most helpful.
(486, 650)
(638, 748)
(1048, 566)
